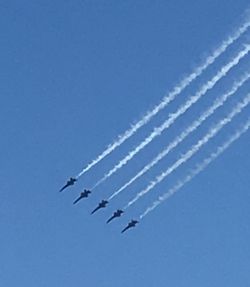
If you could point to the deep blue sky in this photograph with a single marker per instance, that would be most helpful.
(75, 74)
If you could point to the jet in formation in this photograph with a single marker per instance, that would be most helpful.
(116, 214)
(70, 182)
(131, 224)
(83, 194)
(102, 204)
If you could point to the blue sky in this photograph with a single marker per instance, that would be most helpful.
(75, 74)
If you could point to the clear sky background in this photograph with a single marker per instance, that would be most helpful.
(75, 74)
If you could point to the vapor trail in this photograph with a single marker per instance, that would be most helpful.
(194, 149)
(217, 103)
(169, 97)
(199, 168)
(182, 109)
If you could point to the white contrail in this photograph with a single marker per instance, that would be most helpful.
(194, 149)
(169, 97)
(217, 103)
(199, 168)
(181, 110)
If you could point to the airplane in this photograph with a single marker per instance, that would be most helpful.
(117, 213)
(82, 195)
(131, 224)
(102, 204)
(70, 182)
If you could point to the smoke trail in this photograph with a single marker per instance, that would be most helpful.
(199, 168)
(169, 97)
(194, 149)
(217, 103)
(192, 100)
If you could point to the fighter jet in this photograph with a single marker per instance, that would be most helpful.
(83, 194)
(102, 204)
(70, 182)
(117, 213)
(131, 224)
